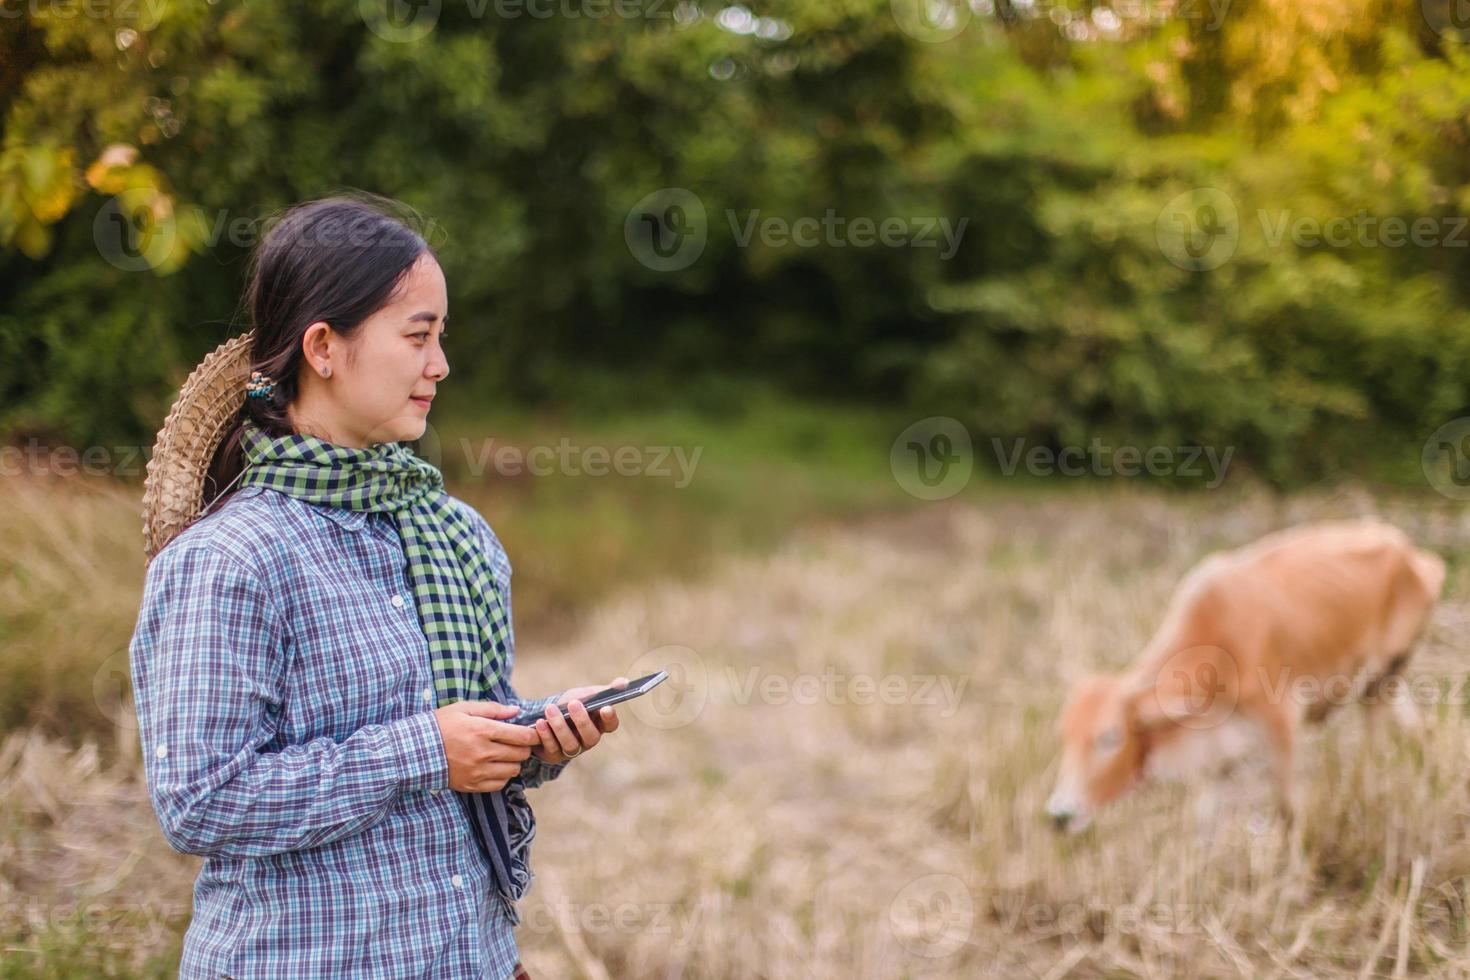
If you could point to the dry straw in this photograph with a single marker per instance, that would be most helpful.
(173, 493)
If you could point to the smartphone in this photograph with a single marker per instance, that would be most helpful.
(603, 698)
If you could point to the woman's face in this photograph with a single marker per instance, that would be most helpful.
(378, 379)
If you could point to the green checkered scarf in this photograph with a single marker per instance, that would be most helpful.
(459, 605)
(455, 593)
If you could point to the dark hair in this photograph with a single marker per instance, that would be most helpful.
(338, 259)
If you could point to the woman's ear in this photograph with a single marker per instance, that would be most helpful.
(316, 347)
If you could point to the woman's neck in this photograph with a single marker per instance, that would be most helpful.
(308, 420)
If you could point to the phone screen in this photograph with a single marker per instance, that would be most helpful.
(605, 697)
(617, 695)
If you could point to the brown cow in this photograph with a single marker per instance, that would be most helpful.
(1254, 641)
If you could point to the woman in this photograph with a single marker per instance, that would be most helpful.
(329, 647)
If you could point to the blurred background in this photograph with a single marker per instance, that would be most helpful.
(807, 346)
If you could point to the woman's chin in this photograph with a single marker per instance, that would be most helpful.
(404, 428)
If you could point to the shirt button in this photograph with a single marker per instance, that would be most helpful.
(434, 792)
(428, 694)
(161, 751)
(397, 601)
(457, 881)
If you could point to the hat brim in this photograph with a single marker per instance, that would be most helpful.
(210, 399)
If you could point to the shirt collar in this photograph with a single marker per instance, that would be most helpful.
(350, 519)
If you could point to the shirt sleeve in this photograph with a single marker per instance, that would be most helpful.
(533, 771)
(209, 680)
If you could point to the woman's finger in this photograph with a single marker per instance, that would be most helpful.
(586, 729)
(496, 776)
(549, 744)
(500, 751)
(608, 720)
(565, 737)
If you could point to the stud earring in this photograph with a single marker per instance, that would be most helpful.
(326, 372)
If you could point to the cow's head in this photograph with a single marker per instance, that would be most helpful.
(1103, 750)
(1111, 725)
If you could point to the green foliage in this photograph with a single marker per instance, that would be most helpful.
(1306, 353)
(1065, 141)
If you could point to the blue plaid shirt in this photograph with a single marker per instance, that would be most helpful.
(285, 705)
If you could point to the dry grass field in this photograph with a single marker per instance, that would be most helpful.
(846, 776)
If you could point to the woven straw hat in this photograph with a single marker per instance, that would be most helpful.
(173, 492)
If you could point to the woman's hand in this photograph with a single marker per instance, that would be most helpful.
(561, 741)
(484, 751)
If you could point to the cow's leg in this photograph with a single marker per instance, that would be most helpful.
(1411, 601)
(1279, 722)
(1378, 695)
(1406, 713)
(1207, 802)
(1317, 711)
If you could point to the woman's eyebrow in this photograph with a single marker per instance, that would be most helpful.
(425, 315)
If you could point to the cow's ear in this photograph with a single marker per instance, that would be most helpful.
(1149, 706)
(1199, 697)
(1147, 712)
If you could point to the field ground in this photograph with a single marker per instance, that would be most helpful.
(776, 815)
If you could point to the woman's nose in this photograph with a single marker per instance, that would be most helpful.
(438, 368)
